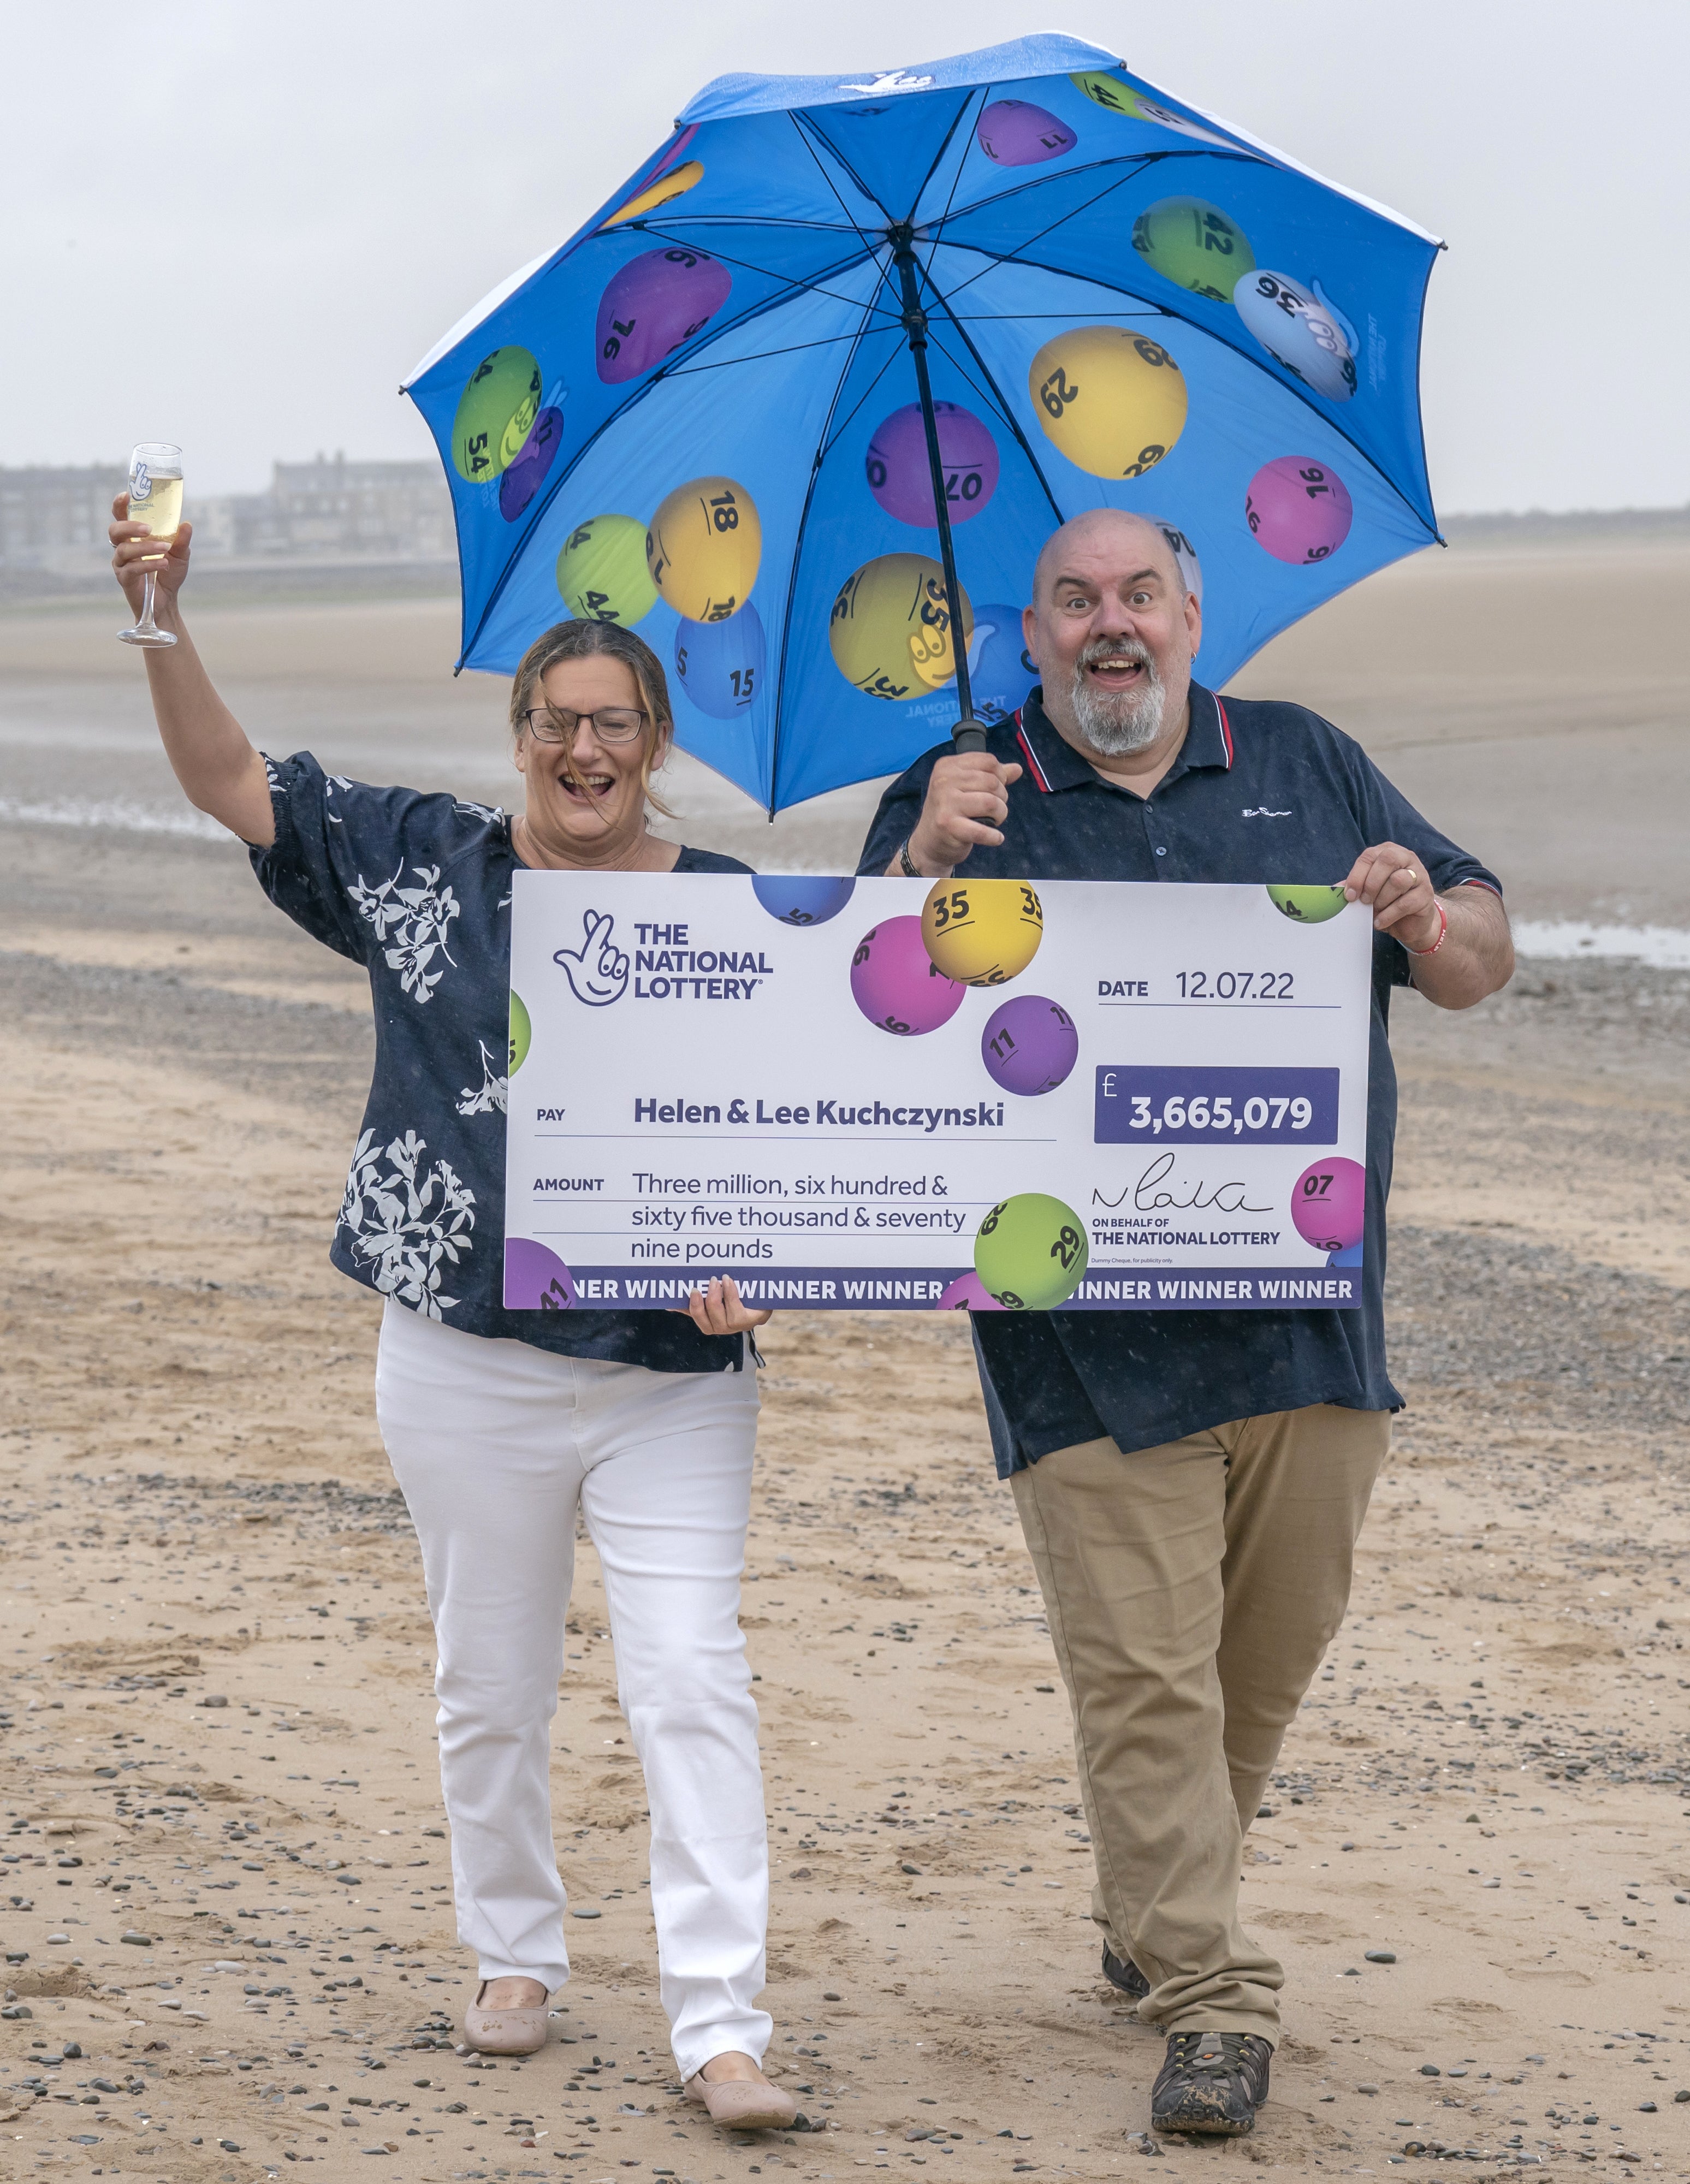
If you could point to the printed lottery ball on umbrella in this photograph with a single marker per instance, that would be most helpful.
(496, 412)
(1328, 1204)
(800, 899)
(704, 547)
(982, 932)
(720, 664)
(527, 473)
(1015, 133)
(1031, 1252)
(1030, 1046)
(1111, 400)
(1298, 509)
(889, 630)
(1195, 245)
(1307, 906)
(654, 304)
(601, 571)
(895, 983)
(901, 476)
(1297, 332)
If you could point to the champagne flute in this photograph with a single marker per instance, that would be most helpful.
(155, 499)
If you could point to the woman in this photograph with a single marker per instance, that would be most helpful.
(499, 1425)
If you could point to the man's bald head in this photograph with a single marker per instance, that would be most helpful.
(1105, 540)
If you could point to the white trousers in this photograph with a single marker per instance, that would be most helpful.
(495, 1445)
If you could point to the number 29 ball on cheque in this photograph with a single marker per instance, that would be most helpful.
(1030, 1252)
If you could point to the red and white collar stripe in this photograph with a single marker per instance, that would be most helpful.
(1225, 732)
(1033, 765)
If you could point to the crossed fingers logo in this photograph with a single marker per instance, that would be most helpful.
(597, 971)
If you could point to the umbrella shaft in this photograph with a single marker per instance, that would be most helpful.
(967, 735)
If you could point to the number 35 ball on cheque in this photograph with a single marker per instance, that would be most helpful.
(982, 933)
(1030, 1252)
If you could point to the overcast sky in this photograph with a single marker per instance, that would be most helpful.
(238, 224)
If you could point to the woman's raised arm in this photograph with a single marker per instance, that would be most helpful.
(208, 750)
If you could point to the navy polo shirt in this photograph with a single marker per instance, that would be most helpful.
(1260, 792)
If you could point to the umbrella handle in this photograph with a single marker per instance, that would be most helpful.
(968, 735)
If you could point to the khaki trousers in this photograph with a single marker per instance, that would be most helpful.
(1192, 1590)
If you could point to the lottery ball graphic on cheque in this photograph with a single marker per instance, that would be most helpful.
(901, 478)
(982, 932)
(1113, 401)
(1328, 1204)
(1307, 906)
(522, 1033)
(1195, 245)
(1298, 509)
(657, 301)
(1030, 1045)
(703, 548)
(889, 631)
(601, 571)
(802, 898)
(721, 663)
(496, 412)
(895, 983)
(1030, 1252)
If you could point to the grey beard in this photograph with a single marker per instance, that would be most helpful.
(1117, 724)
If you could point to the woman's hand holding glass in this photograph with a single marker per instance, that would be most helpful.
(137, 554)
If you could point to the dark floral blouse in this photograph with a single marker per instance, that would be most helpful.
(417, 889)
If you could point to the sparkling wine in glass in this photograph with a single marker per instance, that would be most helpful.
(155, 499)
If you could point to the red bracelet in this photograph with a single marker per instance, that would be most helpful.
(1443, 932)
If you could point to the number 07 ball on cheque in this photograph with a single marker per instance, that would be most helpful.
(982, 933)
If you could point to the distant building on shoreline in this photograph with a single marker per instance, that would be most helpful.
(53, 520)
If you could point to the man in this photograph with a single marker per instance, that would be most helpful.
(1191, 1484)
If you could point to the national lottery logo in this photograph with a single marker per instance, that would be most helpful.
(668, 965)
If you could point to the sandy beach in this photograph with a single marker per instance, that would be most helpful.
(1475, 1860)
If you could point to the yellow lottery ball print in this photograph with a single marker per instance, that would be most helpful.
(495, 413)
(890, 627)
(601, 571)
(982, 933)
(664, 191)
(1113, 401)
(703, 548)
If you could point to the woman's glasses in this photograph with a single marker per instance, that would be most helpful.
(612, 724)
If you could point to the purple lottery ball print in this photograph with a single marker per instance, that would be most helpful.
(1328, 1204)
(1030, 1046)
(801, 898)
(657, 301)
(535, 1279)
(527, 473)
(1298, 509)
(720, 664)
(897, 466)
(968, 1293)
(896, 983)
(1019, 135)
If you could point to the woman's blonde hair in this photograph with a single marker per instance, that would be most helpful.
(589, 640)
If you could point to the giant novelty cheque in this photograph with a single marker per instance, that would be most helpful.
(889, 1094)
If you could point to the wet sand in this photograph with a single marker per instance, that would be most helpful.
(203, 1694)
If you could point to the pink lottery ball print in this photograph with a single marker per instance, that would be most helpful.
(1299, 510)
(1017, 134)
(657, 301)
(896, 983)
(898, 473)
(1328, 1204)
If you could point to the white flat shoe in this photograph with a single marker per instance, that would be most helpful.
(743, 2103)
(505, 2032)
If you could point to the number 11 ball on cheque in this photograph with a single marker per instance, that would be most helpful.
(703, 548)
(982, 932)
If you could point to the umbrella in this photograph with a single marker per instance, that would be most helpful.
(803, 399)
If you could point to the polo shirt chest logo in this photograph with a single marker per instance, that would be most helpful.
(1261, 811)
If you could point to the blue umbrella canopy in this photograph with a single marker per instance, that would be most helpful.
(841, 331)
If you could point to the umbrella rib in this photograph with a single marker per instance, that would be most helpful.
(1134, 162)
(1016, 257)
(834, 440)
(809, 126)
(944, 145)
(763, 355)
(862, 232)
(792, 582)
(792, 284)
(996, 396)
